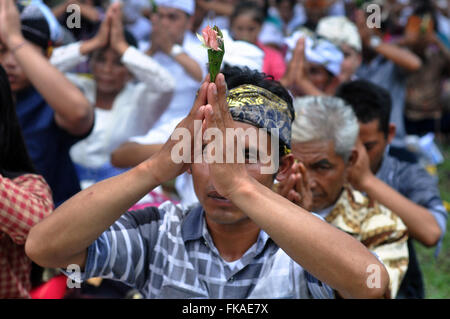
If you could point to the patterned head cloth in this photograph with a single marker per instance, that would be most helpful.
(260, 107)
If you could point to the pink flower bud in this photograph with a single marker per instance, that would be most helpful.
(210, 38)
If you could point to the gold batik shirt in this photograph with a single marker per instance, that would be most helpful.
(377, 227)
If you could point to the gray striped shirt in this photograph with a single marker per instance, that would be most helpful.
(167, 252)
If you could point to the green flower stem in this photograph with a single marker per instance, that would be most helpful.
(215, 57)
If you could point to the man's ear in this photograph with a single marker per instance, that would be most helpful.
(286, 164)
(189, 171)
(353, 157)
(391, 132)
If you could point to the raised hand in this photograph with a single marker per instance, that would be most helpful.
(296, 65)
(168, 163)
(102, 38)
(360, 174)
(226, 177)
(10, 33)
(117, 38)
(296, 186)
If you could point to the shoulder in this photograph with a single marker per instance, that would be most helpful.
(410, 174)
(167, 212)
(33, 184)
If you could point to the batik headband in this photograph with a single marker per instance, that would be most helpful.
(260, 107)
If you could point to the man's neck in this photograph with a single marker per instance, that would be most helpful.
(232, 241)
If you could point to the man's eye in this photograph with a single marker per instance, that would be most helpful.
(172, 17)
(323, 167)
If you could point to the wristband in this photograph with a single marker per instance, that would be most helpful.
(176, 50)
(375, 41)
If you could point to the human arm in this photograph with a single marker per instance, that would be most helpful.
(309, 241)
(85, 216)
(73, 111)
(419, 220)
(130, 154)
(402, 57)
(295, 76)
(24, 201)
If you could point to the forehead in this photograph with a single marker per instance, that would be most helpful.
(244, 17)
(345, 48)
(309, 152)
(370, 130)
(106, 55)
(317, 4)
(171, 11)
(312, 66)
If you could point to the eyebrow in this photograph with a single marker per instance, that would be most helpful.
(321, 162)
(371, 143)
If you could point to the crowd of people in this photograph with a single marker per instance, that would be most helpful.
(93, 96)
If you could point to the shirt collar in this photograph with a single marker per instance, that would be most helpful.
(192, 226)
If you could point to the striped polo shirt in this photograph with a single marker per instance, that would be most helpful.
(167, 252)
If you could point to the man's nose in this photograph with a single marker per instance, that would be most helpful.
(312, 180)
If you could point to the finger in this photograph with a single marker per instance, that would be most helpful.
(221, 87)
(200, 99)
(217, 98)
(222, 97)
(299, 183)
(294, 197)
(213, 101)
(210, 121)
(288, 185)
(304, 175)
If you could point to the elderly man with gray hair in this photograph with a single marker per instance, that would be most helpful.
(324, 133)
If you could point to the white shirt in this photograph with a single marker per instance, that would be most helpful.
(183, 99)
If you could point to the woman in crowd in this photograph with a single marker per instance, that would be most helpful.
(245, 25)
(25, 199)
(123, 107)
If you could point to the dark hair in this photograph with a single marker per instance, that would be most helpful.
(422, 7)
(236, 76)
(292, 3)
(13, 152)
(36, 31)
(249, 7)
(369, 102)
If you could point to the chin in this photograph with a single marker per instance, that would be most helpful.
(17, 87)
(224, 215)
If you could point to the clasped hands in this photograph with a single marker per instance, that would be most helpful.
(211, 108)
